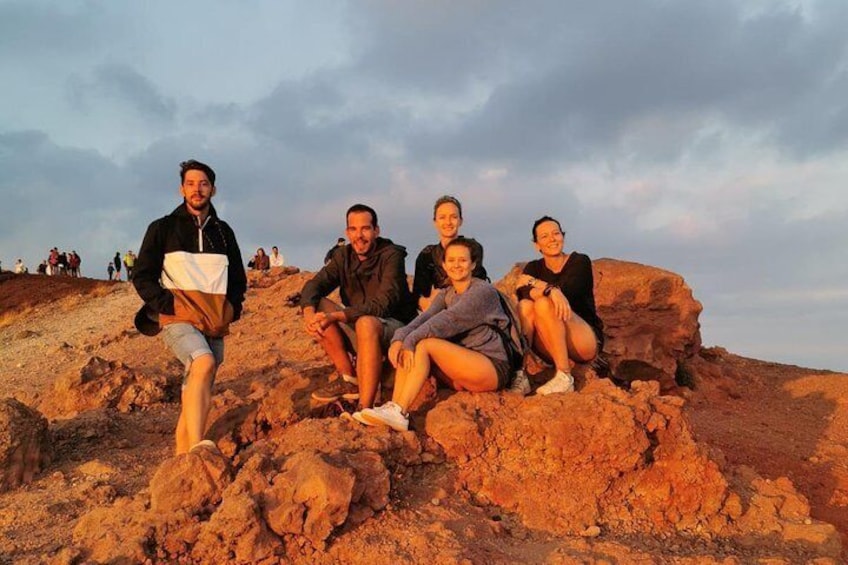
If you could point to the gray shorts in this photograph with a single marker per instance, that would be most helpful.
(187, 343)
(390, 325)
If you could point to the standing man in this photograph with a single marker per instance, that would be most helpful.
(189, 273)
(117, 262)
(129, 264)
(371, 277)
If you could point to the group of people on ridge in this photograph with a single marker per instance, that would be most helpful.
(113, 267)
(263, 262)
(452, 324)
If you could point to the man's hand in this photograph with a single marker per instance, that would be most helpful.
(229, 312)
(312, 324)
(317, 322)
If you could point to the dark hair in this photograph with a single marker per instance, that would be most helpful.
(356, 208)
(192, 165)
(542, 220)
(447, 199)
(466, 242)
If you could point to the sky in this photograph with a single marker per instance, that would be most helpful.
(706, 138)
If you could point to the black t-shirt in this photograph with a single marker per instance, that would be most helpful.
(576, 282)
(430, 274)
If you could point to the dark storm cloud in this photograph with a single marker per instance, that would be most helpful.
(124, 86)
(52, 195)
(316, 116)
(577, 85)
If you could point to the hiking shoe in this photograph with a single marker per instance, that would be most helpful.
(389, 414)
(339, 388)
(354, 417)
(520, 384)
(562, 382)
(205, 444)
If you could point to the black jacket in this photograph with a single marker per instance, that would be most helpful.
(179, 238)
(376, 286)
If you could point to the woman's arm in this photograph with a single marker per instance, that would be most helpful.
(470, 310)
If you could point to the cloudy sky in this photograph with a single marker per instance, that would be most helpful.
(707, 138)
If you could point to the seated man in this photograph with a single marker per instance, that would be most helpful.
(371, 277)
(275, 258)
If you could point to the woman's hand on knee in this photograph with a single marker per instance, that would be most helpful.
(393, 353)
(562, 308)
(407, 360)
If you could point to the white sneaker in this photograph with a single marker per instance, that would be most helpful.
(520, 384)
(562, 382)
(389, 414)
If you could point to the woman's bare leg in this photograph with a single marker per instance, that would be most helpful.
(561, 340)
(463, 369)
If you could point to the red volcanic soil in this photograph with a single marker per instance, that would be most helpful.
(777, 420)
(19, 293)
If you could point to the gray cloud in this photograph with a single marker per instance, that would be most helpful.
(124, 86)
(45, 29)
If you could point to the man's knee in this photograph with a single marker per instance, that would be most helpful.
(369, 327)
(203, 367)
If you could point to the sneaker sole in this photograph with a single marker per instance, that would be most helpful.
(372, 421)
(332, 398)
(546, 393)
(324, 398)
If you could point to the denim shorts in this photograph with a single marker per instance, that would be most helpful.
(187, 343)
(390, 325)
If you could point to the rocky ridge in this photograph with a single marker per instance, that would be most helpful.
(603, 474)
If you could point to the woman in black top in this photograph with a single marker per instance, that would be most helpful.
(430, 277)
(557, 306)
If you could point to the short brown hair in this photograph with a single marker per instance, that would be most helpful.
(447, 199)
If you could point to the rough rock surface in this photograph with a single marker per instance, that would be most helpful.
(650, 319)
(632, 455)
(106, 384)
(748, 467)
(25, 447)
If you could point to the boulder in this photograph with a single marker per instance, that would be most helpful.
(568, 462)
(106, 384)
(25, 447)
(116, 534)
(190, 483)
(650, 319)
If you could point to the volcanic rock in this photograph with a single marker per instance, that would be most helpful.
(650, 319)
(106, 384)
(25, 447)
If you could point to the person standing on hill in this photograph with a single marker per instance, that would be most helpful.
(117, 262)
(190, 275)
(129, 264)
